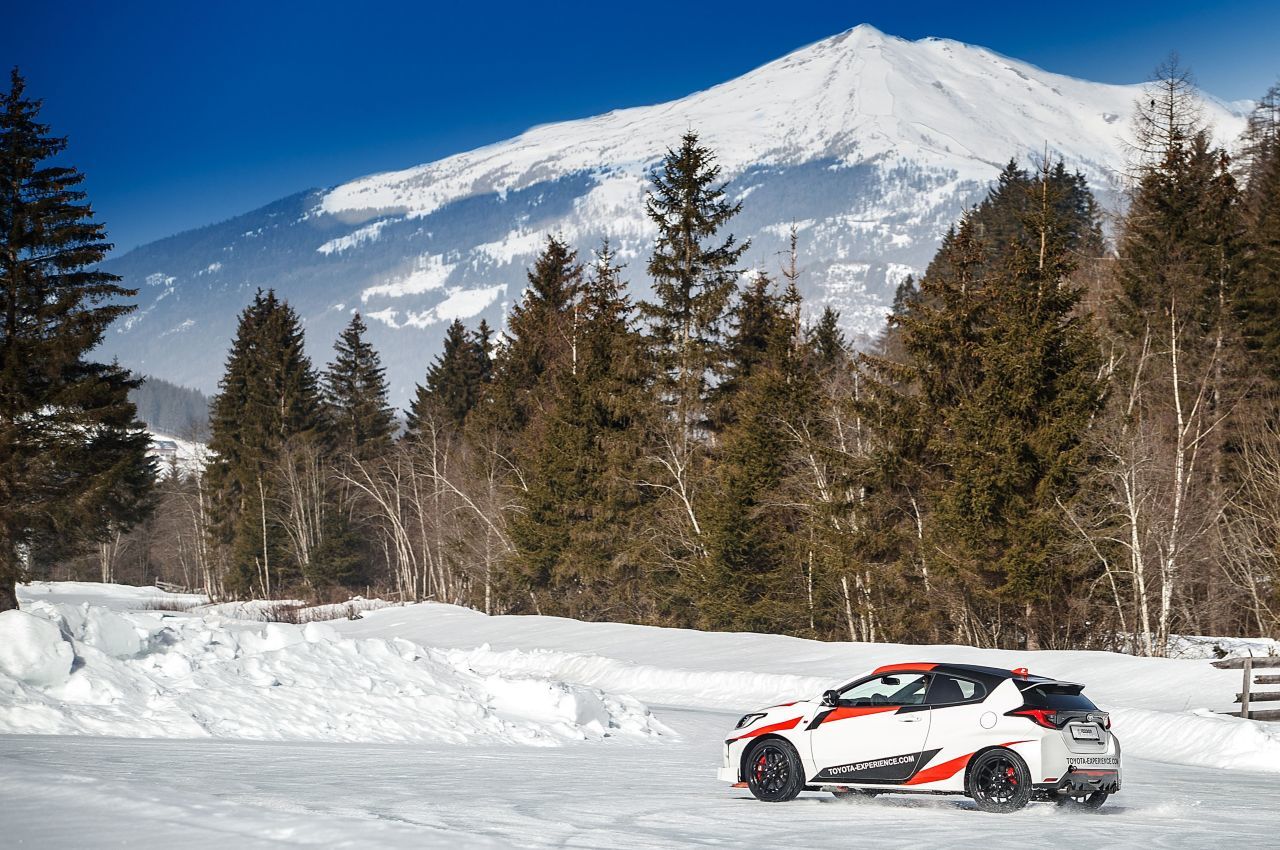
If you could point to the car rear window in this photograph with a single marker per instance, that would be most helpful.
(1058, 698)
(950, 690)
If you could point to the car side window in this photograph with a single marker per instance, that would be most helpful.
(948, 690)
(894, 689)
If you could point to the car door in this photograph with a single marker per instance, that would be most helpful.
(875, 733)
(956, 729)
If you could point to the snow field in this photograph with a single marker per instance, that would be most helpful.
(378, 742)
(620, 793)
(70, 669)
(117, 597)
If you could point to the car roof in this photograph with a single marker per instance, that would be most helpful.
(1019, 673)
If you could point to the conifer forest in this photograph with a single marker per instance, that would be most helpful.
(1067, 434)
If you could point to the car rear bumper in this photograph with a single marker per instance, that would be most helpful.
(1083, 781)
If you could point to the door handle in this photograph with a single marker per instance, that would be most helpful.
(913, 717)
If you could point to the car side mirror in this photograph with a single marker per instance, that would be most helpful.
(831, 698)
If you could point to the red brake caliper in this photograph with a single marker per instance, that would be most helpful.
(760, 763)
(1012, 774)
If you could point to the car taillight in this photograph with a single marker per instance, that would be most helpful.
(1040, 716)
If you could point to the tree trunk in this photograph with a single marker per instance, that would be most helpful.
(1033, 636)
(8, 596)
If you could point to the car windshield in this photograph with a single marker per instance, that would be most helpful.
(895, 689)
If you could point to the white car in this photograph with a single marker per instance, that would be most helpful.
(1002, 737)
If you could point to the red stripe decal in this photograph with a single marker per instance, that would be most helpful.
(947, 769)
(859, 711)
(772, 727)
(938, 772)
(900, 668)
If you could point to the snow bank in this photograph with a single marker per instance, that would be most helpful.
(32, 650)
(146, 674)
(1199, 738)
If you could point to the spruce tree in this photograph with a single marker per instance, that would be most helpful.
(980, 424)
(482, 353)
(73, 461)
(360, 419)
(1259, 301)
(539, 340)
(904, 295)
(827, 340)
(694, 274)
(269, 397)
(750, 579)
(454, 380)
(574, 552)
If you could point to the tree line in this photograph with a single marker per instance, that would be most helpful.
(1066, 436)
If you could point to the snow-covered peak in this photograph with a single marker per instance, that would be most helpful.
(859, 96)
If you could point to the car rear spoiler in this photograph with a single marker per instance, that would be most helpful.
(1060, 687)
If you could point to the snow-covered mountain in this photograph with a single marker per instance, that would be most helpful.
(872, 145)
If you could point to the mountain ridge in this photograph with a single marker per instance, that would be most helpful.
(870, 143)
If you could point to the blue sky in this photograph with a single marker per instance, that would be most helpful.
(182, 114)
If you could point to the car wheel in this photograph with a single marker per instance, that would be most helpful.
(774, 772)
(1088, 801)
(999, 781)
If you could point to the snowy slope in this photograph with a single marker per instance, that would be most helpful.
(857, 97)
(175, 453)
(872, 145)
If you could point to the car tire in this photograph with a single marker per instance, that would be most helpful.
(774, 772)
(998, 781)
(1093, 800)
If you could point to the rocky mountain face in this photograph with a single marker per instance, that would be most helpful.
(871, 145)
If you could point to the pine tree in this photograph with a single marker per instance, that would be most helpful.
(904, 295)
(454, 381)
(360, 419)
(1259, 301)
(749, 579)
(574, 551)
(981, 425)
(694, 275)
(827, 340)
(73, 462)
(482, 353)
(539, 340)
(758, 317)
(615, 374)
(269, 399)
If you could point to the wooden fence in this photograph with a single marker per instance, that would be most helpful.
(1248, 696)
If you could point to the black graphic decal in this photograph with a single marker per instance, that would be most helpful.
(886, 769)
